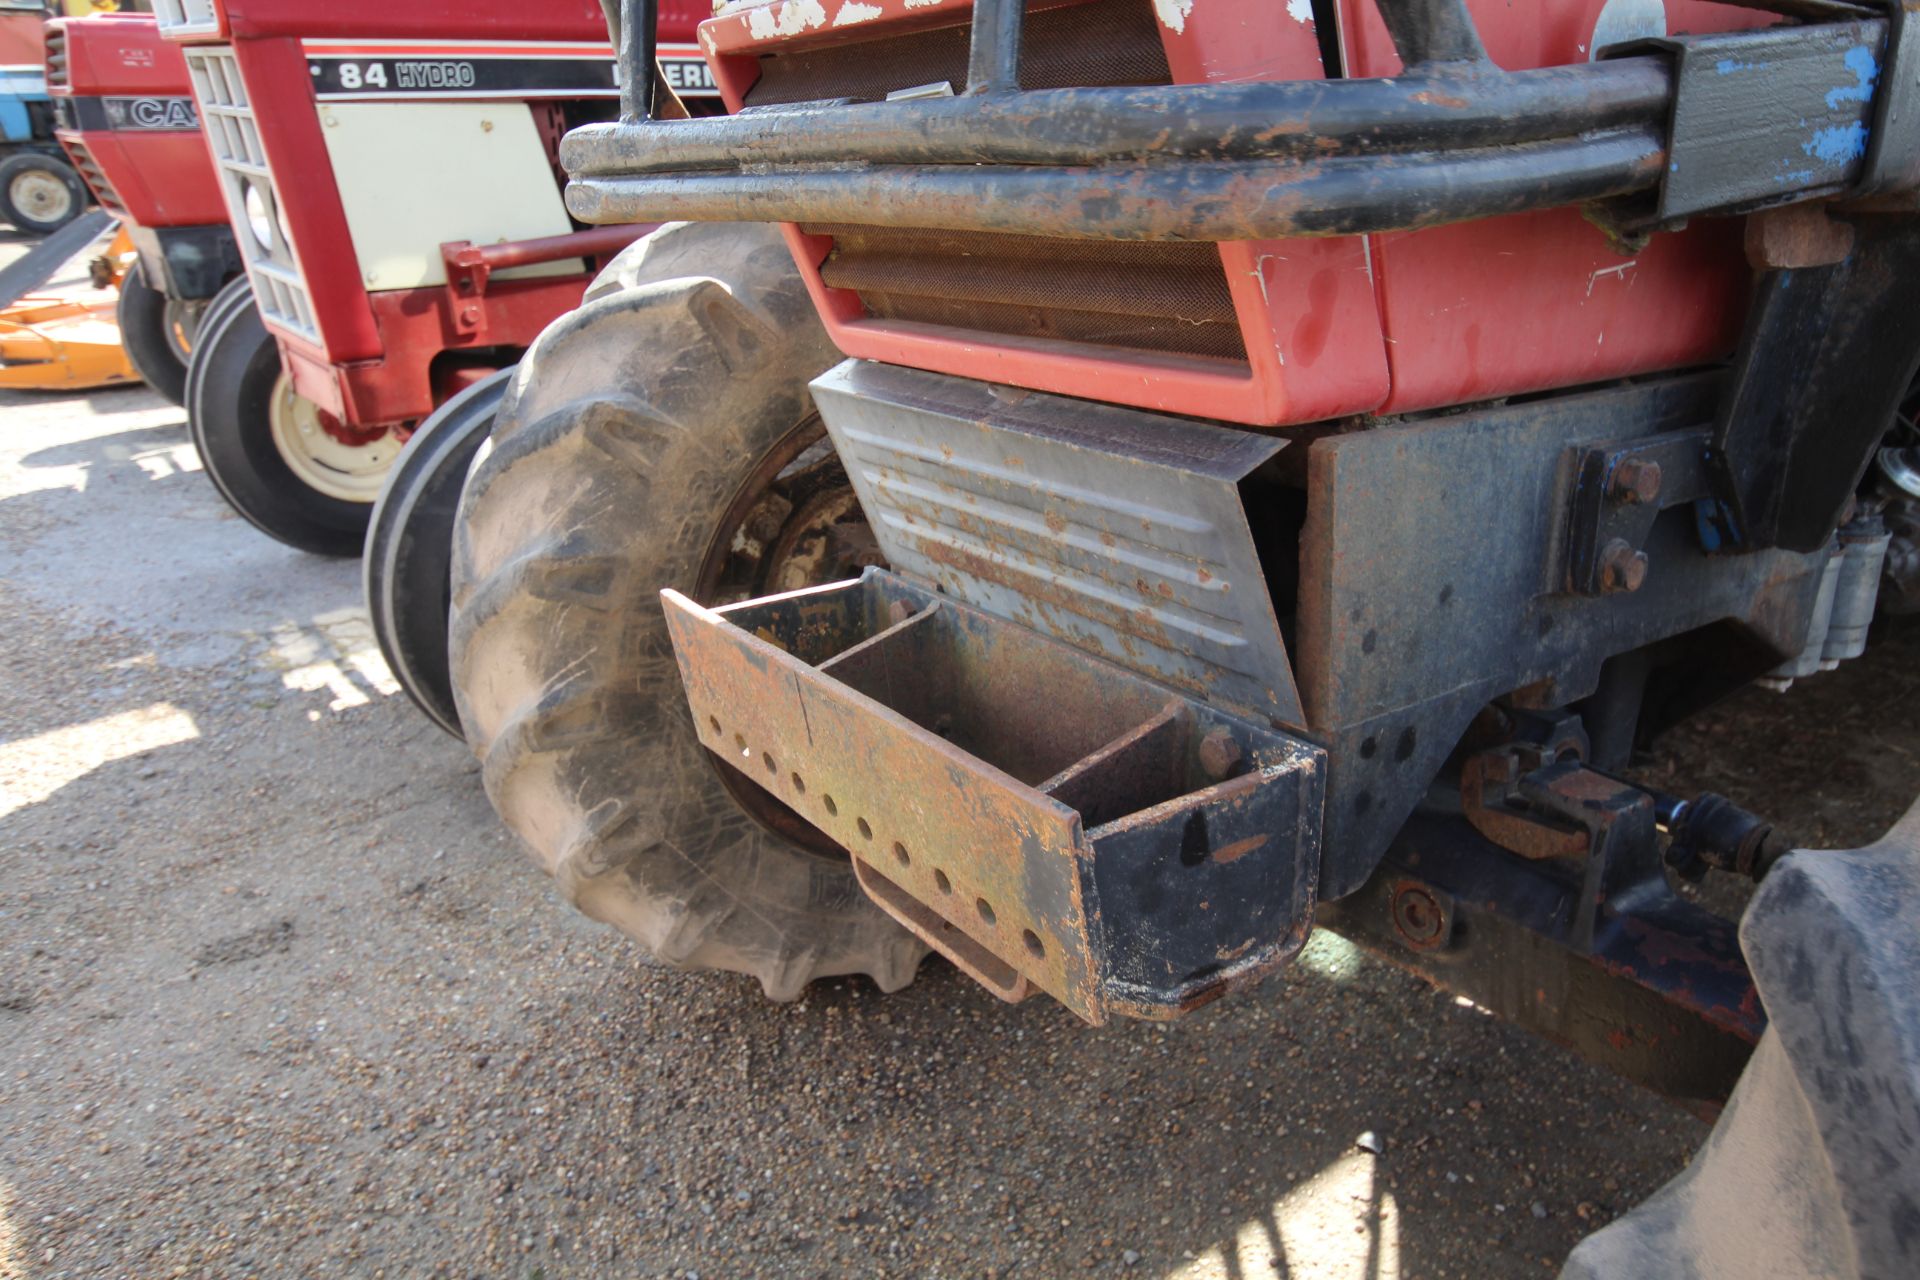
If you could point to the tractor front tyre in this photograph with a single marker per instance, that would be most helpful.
(278, 459)
(409, 553)
(153, 332)
(660, 436)
(40, 193)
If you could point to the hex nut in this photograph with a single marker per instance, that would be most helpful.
(1621, 567)
(1636, 480)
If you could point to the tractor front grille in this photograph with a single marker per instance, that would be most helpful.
(1104, 42)
(187, 17)
(1169, 298)
(233, 136)
(95, 177)
(56, 57)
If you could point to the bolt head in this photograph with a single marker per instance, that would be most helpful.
(1621, 567)
(1636, 480)
(1220, 754)
(1418, 917)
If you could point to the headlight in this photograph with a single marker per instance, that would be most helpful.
(260, 217)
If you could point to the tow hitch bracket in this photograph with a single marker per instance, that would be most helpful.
(1116, 844)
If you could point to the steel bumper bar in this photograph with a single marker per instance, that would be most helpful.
(1452, 138)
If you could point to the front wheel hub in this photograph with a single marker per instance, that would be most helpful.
(326, 454)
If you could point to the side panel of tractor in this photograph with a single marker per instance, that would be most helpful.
(126, 119)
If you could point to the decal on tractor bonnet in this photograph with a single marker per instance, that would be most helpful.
(126, 115)
(348, 70)
(689, 77)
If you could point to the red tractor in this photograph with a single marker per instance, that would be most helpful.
(392, 179)
(1185, 474)
(127, 121)
(390, 174)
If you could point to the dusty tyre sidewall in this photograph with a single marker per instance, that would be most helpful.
(230, 383)
(142, 315)
(409, 552)
(632, 425)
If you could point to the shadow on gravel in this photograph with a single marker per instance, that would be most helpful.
(121, 449)
(116, 399)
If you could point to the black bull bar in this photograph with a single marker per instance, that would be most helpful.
(1659, 128)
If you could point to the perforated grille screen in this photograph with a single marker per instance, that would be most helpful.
(1163, 297)
(1106, 42)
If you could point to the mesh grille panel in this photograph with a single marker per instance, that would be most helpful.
(1164, 297)
(1168, 296)
(1106, 42)
(226, 117)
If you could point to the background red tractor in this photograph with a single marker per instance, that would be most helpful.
(391, 177)
(127, 120)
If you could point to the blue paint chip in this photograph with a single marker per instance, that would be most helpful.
(1866, 70)
(1727, 66)
(1838, 144)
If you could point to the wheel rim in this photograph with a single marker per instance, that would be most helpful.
(40, 195)
(320, 460)
(794, 523)
(179, 321)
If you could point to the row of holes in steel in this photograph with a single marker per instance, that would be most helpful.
(1032, 940)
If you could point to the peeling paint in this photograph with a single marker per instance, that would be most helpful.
(1838, 144)
(1301, 11)
(921, 4)
(853, 11)
(1173, 14)
(1866, 70)
(789, 19)
(1618, 271)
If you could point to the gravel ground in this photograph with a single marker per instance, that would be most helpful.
(279, 997)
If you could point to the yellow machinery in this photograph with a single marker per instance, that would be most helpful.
(66, 338)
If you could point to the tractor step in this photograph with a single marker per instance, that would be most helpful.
(1046, 819)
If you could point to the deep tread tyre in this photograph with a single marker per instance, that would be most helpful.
(145, 334)
(39, 192)
(233, 379)
(409, 552)
(633, 425)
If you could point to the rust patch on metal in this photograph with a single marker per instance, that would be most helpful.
(1239, 848)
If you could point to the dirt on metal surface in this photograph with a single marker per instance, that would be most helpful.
(278, 996)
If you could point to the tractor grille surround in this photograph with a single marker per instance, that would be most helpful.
(56, 57)
(1164, 297)
(94, 176)
(233, 137)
